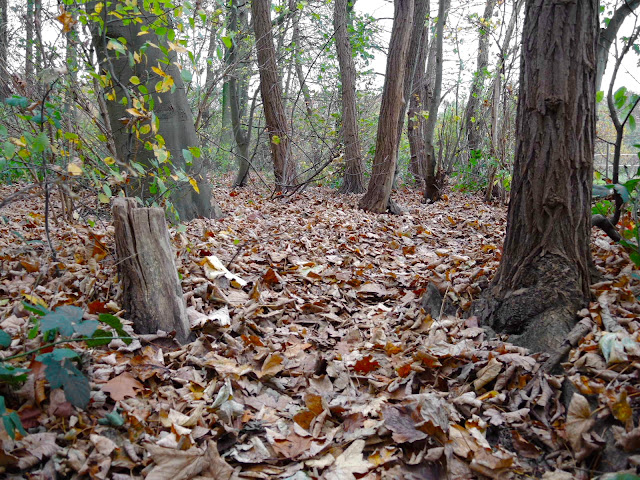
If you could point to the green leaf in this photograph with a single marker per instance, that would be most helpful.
(3, 131)
(37, 309)
(64, 374)
(113, 419)
(622, 191)
(17, 101)
(115, 323)
(5, 339)
(599, 96)
(635, 258)
(623, 476)
(197, 153)
(100, 337)
(228, 42)
(188, 157)
(11, 422)
(68, 320)
(11, 374)
(186, 76)
(116, 45)
(632, 123)
(40, 143)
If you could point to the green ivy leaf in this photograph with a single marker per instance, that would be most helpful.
(228, 42)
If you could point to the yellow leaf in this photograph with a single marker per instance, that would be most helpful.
(103, 198)
(35, 300)
(74, 169)
(136, 57)
(135, 80)
(275, 140)
(159, 71)
(194, 184)
(177, 48)
(109, 160)
(20, 142)
(99, 6)
(135, 112)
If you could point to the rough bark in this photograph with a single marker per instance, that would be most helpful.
(418, 32)
(417, 97)
(4, 49)
(353, 179)
(151, 291)
(284, 166)
(28, 54)
(172, 109)
(377, 199)
(432, 185)
(608, 36)
(477, 87)
(543, 278)
(238, 92)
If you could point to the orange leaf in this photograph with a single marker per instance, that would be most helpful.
(366, 365)
(304, 418)
(314, 403)
(97, 307)
(404, 370)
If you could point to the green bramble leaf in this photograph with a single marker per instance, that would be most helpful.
(5, 339)
(64, 374)
(68, 320)
(115, 323)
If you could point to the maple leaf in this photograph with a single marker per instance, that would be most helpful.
(122, 386)
(366, 365)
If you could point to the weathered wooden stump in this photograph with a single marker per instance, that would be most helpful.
(151, 290)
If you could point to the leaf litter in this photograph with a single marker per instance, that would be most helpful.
(320, 352)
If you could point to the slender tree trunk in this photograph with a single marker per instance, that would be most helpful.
(377, 199)
(477, 87)
(432, 187)
(28, 67)
(4, 48)
(353, 180)
(416, 121)
(171, 108)
(296, 39)
(418, 32)
(284, 167)
(543, 278)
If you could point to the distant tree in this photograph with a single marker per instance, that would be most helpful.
(4, 46)
(543, 277)
(431, 188)
(284, 165)
(378, 196)
(609, 33)
(353, 179)
(141, 61)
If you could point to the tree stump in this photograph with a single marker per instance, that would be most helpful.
(151, 290)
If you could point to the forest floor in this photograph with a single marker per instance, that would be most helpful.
(325, 364)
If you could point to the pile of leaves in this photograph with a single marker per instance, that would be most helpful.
(320, 352)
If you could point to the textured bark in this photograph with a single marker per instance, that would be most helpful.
(4, 49)
(609, 33)
(172, 109)
(238, 93)
(284, 166)
(543, 278)
(432, 187)
(378, 196)
(151, 291)
(28, 54)
(417, 97)
(353, 180)
(418, 33)
(477, 87)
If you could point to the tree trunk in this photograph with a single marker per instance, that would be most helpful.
(432, 187)
(170, 107)
(28, 66)
(418, 33)
(4, 49)
(608, 36)
(477, 87)
(284, 166)
(377, 199)
(151, 291)
(353, 180)
(237, 95)
(543, 278)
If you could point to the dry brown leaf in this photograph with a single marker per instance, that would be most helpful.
(122, 386)
(579, 421)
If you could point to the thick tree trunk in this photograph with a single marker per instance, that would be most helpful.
(151, 291)
(353, 180)
(543, 278)
(432, 187)
(170, 107)
(284, 166)
(477, 87)
(377, 199)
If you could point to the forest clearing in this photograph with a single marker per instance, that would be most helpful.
(233, 247)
